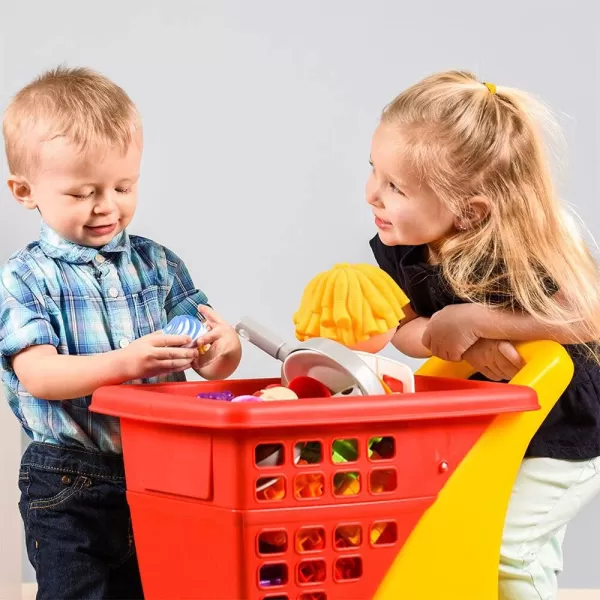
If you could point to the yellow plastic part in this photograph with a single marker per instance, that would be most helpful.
(350, 304)
(453, 552)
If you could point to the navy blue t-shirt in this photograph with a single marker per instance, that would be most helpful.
(572, 429)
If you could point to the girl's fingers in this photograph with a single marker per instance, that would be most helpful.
(490, 374)
(510, 353)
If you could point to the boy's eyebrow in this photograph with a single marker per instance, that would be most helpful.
(130, 179)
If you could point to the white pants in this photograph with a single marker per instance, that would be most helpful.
(548, 493)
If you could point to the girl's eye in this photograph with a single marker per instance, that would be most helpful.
(395, 189)
(123, 190)
(81, 196)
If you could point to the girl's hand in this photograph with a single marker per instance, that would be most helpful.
(498, 360)
(453, 330)
(225, 352)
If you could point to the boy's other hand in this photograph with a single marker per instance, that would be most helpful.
(157, 354)
(225, 351)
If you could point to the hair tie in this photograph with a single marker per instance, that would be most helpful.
(491, 87)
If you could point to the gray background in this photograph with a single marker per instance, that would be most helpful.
(258, 117)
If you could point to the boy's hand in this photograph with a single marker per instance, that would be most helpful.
(498, 360)
(225, 352)
(157, 354)
(453, 330)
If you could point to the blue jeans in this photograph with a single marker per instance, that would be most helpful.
(77, 524)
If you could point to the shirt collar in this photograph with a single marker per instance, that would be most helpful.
(55, 246)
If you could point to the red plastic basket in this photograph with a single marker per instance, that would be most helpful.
(206, 529)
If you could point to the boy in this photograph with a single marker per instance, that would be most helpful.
(80, 308)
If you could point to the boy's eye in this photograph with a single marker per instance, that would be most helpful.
(123, 190)
(81, 196)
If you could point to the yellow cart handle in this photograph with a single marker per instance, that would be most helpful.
(453, 553)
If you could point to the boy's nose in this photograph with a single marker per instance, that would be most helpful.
(105, 204)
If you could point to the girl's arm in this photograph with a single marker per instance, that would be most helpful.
(409, 334)
(454, 329)
(520, 327)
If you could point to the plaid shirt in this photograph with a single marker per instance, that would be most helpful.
(85, 301)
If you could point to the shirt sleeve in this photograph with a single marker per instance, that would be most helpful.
(183, 297)
(24, 320)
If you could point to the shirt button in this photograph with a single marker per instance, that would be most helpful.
(100, 259)
(114, 292)
(124, 343)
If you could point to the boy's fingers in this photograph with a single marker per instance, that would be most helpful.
(180, 364)
(210, 315)
(165, 340)
(210, 338)
(174, 353)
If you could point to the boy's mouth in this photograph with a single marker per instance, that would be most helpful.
(101, 229)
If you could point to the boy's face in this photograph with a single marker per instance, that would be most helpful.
(86, 199)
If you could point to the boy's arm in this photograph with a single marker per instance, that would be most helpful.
(409, 334)
(28, 346)
(184, 298)
(46, 374)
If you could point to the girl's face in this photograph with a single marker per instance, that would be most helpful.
(406, 211)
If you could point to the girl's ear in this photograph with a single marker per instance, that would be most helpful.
(477, 210)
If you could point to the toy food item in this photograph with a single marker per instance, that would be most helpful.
(186, 325)
(310, 539)
(358, 306)
(270, 489)
(246, 398)
(226, 396)
(277, 392)
(271, 392)
(308, 387)
(309, 485)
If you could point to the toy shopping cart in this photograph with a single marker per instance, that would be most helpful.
(422, 492)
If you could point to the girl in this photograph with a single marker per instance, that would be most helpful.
(470, 227)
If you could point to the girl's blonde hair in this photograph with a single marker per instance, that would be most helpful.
(465, 139)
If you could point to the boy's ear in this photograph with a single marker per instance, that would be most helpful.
(478, 209)
(21, 190)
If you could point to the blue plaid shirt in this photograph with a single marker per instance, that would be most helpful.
(85, 301)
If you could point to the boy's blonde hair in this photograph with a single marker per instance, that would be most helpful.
(85, 107)
(465, 139)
